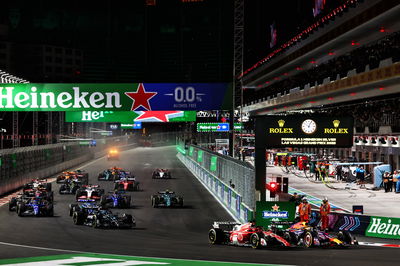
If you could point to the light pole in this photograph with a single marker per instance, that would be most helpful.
(2, 130)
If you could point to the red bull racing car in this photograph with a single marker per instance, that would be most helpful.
(302, 234)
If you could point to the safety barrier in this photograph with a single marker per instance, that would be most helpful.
(237, 174)
(20, 165)
(225, 194)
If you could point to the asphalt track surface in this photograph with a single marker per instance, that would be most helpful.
(169, 233)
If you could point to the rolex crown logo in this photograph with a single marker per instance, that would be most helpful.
(281, 123)
(336, 123)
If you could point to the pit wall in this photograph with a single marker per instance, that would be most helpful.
(228, 197)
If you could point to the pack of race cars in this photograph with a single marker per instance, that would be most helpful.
(92, 204)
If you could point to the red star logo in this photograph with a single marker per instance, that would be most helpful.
(140, 98)
(275, 208)
(161, 116)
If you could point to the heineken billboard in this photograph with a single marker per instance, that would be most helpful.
(384, 227)
(115, 96)
(268, 212)
(217, 127)
(130, 117)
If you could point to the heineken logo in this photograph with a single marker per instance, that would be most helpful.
(114, 97)
(47, 100)
(275, 214)
(384, 227)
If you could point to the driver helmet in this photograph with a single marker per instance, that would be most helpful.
(325, 200)
(304, 199)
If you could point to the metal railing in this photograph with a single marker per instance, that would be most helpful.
(238, 174)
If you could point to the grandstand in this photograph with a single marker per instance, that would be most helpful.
(345, 62)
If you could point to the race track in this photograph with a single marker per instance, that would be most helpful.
(168, 233)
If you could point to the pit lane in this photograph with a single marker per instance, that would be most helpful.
(169, 233)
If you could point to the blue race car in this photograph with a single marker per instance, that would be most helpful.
(35, 206)
(166, 199)
(116, 199)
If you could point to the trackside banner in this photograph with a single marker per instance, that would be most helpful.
(115, 97)
(384, 227)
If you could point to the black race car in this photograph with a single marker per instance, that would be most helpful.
(35, 206)
(116, 199)
(70, 186)
(166, 199)
(161, 173)
(101, 218)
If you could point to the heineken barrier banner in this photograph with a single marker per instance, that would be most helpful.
(304, 131)
(274, 211)
(130, 117)
(115, 96)
(384, 227)
(217, 127)
(355, 224)
(213, 163)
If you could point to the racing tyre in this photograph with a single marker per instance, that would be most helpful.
(308, 239)
(180, 202)
(103, 200)
(96, 222)
(12, 204)
(72, 209)
(62, 188)
(20, 209)
(215, 236)
(345, 237)
(74, 189)
(154, 202)
(48, 186)
(127, 202)
(255, 240)
(50, 211)
(77, 217)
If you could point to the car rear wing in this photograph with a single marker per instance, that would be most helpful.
(225, 225)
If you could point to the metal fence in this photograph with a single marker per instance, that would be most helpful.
(237, 174)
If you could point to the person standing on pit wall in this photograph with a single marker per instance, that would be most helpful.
(396, 186)
(385, 179)
(324, 211)
(360, 176)
(305, 211)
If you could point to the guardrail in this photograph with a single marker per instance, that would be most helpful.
(19, 165)
(225, 194)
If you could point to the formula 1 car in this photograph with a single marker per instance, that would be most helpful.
(89, 193)
(70, 186)
(101, 218)
(78, 174)
(37, 184)
(12, 204)
(248, 234)
(116, 200)
(161, 173)
(112, 174)
(301, 234)
(35, 207)
(127, 183)
(113, 154)
(79, 207)
(166, 199)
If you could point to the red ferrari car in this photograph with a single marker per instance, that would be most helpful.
(127, 184)
(248, 234)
